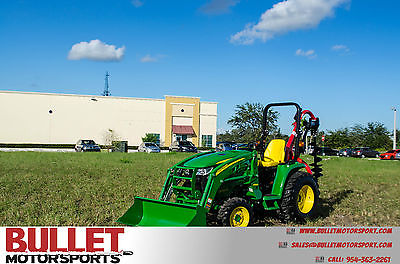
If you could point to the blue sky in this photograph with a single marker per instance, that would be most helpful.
(339, 58)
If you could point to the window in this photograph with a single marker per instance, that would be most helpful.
(180, 137)
(206, 141)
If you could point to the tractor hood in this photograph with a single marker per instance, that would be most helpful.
(215, 158)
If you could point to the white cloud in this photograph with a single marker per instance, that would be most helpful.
(286, 16)
(309, 53)
(342, 48)
(149, 58)
(137, 3)
(215, 7)
(96, 50)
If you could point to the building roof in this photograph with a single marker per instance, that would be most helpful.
(102, 97)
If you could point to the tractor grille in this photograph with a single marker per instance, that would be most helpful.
(182, 185)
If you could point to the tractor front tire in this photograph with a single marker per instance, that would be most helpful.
(235, 212)
(300, 198)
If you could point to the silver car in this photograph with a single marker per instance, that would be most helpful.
(149, 147)
(86, 145)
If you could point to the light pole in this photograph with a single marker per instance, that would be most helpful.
(394, 128)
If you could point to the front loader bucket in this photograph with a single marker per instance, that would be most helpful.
(150, 212)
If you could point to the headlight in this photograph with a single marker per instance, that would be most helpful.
(204, 171)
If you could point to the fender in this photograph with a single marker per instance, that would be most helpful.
(282, 172)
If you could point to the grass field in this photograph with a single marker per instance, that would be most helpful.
(97, 188)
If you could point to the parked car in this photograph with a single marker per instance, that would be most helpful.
(390, 155)
(345, 152)
(86, 145)
(242, 146)
(223, 146)
(327, 151)
(183, 146)
(365, 152)
(149, 147)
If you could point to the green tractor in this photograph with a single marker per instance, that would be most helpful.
(228, 187)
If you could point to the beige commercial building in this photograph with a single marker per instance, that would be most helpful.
(45, 118)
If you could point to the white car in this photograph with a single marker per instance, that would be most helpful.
(149, 147)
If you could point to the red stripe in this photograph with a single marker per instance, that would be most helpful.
(307, 167)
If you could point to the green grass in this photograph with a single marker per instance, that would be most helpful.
(97, 188)
(360, 192)
(77, 188)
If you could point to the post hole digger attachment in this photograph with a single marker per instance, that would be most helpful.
(227, 187)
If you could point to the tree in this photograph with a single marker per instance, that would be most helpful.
(228, 136)
(339, 138)
(150, 138)
(377, 136)
(373, 135)
(276, 133)
(109, 137)
(247, 122)
(357, 136)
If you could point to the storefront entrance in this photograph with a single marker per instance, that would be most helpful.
(180, 137)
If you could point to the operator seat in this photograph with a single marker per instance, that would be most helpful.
(274, 154)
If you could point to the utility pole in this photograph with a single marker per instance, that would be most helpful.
(394, 128)
(106, 91)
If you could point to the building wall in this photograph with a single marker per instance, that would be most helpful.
(25, 118)
(181, 107)
(208, 120)
(64, 119)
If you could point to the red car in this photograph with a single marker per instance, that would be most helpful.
(390, 155)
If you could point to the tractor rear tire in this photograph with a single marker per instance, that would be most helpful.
(300, 198)
(235, 212)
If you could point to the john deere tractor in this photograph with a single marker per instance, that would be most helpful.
(228, 187)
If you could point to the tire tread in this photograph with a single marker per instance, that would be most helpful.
(288, 208)
(227, 208)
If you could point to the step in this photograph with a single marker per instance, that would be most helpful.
(270, 197)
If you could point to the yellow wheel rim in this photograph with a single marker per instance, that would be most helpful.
(240, 216)
(305, 199)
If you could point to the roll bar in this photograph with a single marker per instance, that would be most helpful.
(296, 130)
